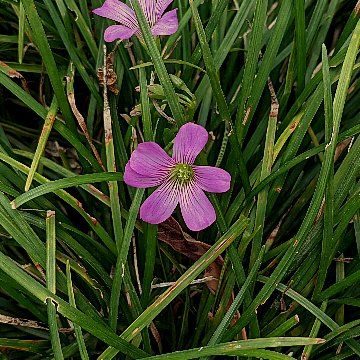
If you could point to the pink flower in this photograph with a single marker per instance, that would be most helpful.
(161, 22)
(179, 180)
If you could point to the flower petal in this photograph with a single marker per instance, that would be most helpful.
(196, 208)
(121, 32)
(118, 11)
(188, 143)
(148, 8)
(151, 160)
(167, 24)
(137, 180)
(161, 6)
(212, 179)
(160, 204)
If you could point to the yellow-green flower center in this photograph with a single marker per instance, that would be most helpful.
(182, 173)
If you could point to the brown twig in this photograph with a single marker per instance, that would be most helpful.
(80, 119)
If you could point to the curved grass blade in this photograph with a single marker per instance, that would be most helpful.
(172, 39)
(211, 71)
(170, 61)
(225, 47)
(53, 186)
(209, 30)
(60, 170)
(265, 67)
(236, 347)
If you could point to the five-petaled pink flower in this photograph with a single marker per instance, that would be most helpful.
(161, 22)
(179, 180)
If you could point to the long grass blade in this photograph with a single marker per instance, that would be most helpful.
(51, 283)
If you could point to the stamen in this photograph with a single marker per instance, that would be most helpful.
(182, 173)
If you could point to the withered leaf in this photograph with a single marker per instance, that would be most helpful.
(171, 233)
(111, 77)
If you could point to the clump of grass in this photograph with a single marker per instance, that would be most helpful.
(276, 83)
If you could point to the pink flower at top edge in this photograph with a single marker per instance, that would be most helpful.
(179, 181)
(161, 22)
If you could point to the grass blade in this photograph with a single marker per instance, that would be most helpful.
(300, 44)
(266, 167)
(122, 256)
(236, 348)
(22, 20)
(51, 284)
(95, 327)
(53, 186)
(159, 64)
(49, 61)
(221, 329)
(219, 96)
(49, 121)
(78, 332)
(252, 57)
(329, 193)
(111, 163)
(155, 308)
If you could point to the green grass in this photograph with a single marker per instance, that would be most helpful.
(277, 85)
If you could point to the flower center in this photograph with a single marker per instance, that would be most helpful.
(183, 173)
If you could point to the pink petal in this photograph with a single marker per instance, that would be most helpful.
(188, 143)
(212, 179)
(167, 24)
(196, 209)
(148, 8)
(121, 32)
(118, 11)
(134, 179)
(160, 204)
(151, 160)
(161, 6)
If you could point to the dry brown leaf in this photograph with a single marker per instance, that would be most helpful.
(172, 234)
(21, 322)
(14, 74)
(81, 121)
(111, 77)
